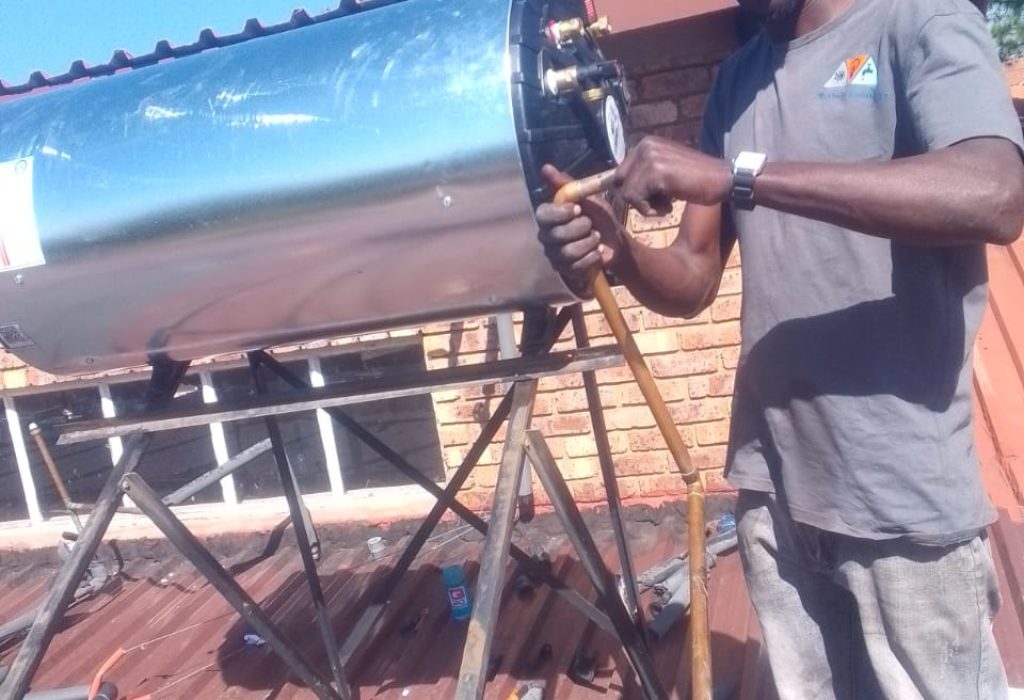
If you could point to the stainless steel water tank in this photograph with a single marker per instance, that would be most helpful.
(373, 171)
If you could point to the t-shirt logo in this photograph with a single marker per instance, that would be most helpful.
(859, 71)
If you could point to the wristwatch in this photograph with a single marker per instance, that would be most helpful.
(745, 169)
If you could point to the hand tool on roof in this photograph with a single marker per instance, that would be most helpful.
(700, 653)
(37, 434)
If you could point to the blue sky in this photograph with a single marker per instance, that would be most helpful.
(49, 34)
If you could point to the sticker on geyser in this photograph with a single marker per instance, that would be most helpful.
(19, 232)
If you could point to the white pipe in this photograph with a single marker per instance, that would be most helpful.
(220, 442)
(28, 485)
(327, 435)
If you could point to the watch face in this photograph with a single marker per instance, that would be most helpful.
(614, 129)
(752, 162)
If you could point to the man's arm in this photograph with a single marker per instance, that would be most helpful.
(683, 279)
(971, 192)
(679, 280)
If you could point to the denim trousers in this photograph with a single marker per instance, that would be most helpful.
(849, 618)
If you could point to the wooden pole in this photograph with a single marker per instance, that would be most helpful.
(700, 651)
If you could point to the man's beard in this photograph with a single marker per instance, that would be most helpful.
(787, 11)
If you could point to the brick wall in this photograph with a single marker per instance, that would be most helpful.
(670, 68)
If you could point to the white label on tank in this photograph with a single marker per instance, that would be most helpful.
(19, 233)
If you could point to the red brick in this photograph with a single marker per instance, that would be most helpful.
(644, 116)
(685, 132)
(731, 357)
(568, 424)
(9, 360)
(15, 378)
(709, 457)
(597, 325)
(565, 381)
(448, 396)
(640, 464)
(486, 477)
(587, 491)
(658, 341)
(615, 375)
(692, 107)
(618, 441)
(453, 457)
(543, 406)
(716, 335)
(571, 401)
(734, 259)
(651, 440)
(726, 308)
(712, 433)
(656, 320)
(701, 411)
(580, 446)
(579, 468)
(732, 282)
(699, 387)
(620, 395)
(722, 384)
(624, 298)
(676, 83)
(630, 418)
(685, 364)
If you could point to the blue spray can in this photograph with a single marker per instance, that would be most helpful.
(459, 599)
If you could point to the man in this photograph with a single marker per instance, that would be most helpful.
(863, 152)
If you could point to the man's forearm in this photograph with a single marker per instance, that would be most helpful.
(969, 193)
(666, 280)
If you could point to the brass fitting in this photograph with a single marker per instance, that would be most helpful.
(602, 27)
(563, 80)
(566, 31)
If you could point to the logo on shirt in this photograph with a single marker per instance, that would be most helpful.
(859, 70)
(855, 77)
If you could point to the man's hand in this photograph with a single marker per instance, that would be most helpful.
(577, 237)
(659, 171)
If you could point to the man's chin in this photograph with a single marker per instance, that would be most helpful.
(787, 11)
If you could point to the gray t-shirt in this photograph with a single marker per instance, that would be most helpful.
(853, 399)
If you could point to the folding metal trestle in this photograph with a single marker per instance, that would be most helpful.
(619, 615)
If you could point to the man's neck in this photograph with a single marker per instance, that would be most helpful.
(812, 15)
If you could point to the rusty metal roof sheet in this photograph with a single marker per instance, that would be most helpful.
(184, 642)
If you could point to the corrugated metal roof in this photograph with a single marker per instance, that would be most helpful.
(185, 642)
(163, 50)
(999, 367)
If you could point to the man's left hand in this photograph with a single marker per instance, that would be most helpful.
(659, 171)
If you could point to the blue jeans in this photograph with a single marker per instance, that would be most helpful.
(857, 619)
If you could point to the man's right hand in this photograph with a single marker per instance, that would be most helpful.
(578, 237)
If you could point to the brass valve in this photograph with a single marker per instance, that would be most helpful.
(562, 80)
(566, 31)
(602, 27)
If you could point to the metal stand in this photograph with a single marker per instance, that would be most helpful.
(521, 440)
(619, 618)
(164, 382)
(122, 481)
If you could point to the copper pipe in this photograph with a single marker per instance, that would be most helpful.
(700, 647)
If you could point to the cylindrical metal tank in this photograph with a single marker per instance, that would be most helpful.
(369, 172)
